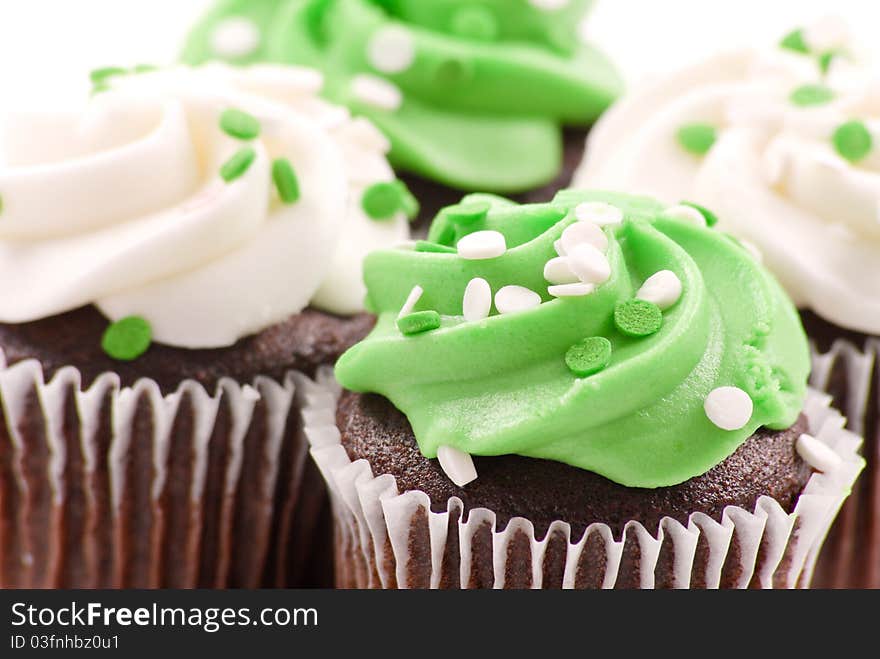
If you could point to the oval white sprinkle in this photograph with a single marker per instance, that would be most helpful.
(557, 271)
(817, 454)
(662, 288)
(235, 37)
(457, 465)
(571, 290)
(511, 299)
(584, 232)
(686, 214)
(598, 212)
(477, 302)
(391, 49)
(376, 91)
(729, 408)
(589, 264)
(549, 5)
(411, 301)
(482, 245)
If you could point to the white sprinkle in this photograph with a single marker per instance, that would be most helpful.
(817, 454)
(376, 91)
(589, 264)
(511, 299)
(686, 214)
(571, 290)
(477, 300)
(363, 132)
(391, 49)
(458, 465)
(560, 248)
(729, 408)
(235, 37)
(662, 288)
(482, 245)
(411, 301)
(584, 232)
(558, 271)
(598, 212)
(549, 5)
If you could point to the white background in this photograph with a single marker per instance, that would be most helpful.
(47, 47)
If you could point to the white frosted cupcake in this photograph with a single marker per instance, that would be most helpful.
(784, 145)
(169, 256)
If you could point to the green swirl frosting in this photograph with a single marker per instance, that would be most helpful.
(483, 86)
(502, 385)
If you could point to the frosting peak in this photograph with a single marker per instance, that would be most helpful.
(792, 164)
(446, 80)
(599, 330)
(212, 203)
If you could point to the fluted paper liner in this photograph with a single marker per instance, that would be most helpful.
(851, 558)
(115, 487)
(388, 539)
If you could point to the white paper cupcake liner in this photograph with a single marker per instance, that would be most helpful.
(388, 539)
(851, 558)
(124, 487)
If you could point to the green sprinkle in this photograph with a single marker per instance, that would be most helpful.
(637, 318)
(238, 164)
(100, 87)
(102, 75)
(418, 322)
(697, 138)
(285, 180)
(145, 68)
(381, 200)
(825, 60)
(852, 140)
(127, 339)
(467, 214)
(709, 216)
(795, 41)
(408, 202)
(427, 246)
(807, 95)
(588, 356)
(239, 124)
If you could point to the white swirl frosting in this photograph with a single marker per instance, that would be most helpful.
(122, 205)
(773, 175)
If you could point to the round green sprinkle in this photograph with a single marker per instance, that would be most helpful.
(239, 124)
(637, 318)
(467, 214)
(588, 356)
(127, 339)
(418, 322)
(795, 41)
(709, 216)
(807, 95)
(238, 164)
(852, 140)
(408, 203)
(427, 246)
(102, 75)
(381, 200)
(285, 180)
(697, 138)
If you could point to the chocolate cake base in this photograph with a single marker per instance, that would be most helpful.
(435, 196)
(851, 558)
(123, 513)
(543, 492)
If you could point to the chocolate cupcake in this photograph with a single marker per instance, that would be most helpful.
(471, 95)
(782, 145)
(586, 393)
(170, 256)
